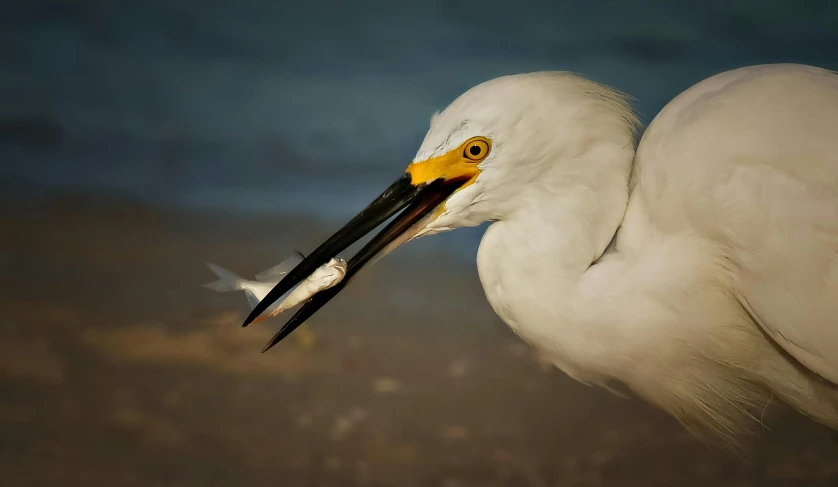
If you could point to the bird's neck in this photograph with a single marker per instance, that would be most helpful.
(535, 267)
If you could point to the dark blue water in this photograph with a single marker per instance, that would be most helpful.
(313, 107)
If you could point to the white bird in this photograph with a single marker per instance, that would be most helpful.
(699, 270)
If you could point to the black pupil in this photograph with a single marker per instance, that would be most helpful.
(474, 150)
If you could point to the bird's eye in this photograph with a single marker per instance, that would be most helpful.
(476, 149)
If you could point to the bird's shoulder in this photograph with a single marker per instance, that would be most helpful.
(749, 160)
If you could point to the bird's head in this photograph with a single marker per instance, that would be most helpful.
(483, 155)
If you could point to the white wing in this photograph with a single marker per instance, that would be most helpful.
(275, 273)
(750, 158)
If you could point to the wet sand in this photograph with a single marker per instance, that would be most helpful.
(118, 369)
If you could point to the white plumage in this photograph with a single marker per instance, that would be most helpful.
(720, 291)
(699, 270)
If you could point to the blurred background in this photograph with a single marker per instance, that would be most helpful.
(139, 140)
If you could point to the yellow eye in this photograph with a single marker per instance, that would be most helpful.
(476, 149)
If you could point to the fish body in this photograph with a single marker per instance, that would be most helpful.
(326, 276)
(323, 277)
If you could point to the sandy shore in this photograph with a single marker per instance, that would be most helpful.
(118, 369)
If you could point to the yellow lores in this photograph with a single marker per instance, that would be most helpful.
(457, 163)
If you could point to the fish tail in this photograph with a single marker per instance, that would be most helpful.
(227, 280)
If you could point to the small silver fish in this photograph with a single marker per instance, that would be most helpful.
(324, 277)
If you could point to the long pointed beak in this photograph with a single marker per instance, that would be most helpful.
(413, 200)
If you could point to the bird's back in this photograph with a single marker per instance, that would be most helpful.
(748, 160)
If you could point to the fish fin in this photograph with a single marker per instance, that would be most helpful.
(280, 270)
(227, 281)
(251, 299)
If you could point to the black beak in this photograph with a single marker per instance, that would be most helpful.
(414, 202)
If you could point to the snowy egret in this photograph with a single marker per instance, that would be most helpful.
(700, 269)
